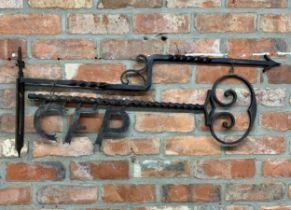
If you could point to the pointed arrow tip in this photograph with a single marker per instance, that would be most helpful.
(271, 63)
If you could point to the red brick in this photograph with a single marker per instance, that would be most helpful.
(7, 98)
(276, 168)
(188, 46)
(209, 74)
(280, 121)
(229, 169)
(67, 194)
(257, 3)
(193, 3)
(92, 123)
(168, 73)
(159, 168)
(98, 24)
(276, 23)
(232, 22)
(65, 4)
(112, 4)
(64, 49)
(8, 47)
(238, 207)
(89, 170)
(252, 47)
(94, 72)
(124, 193)
(184, 95)
(50, 123)
(281, 207)
(191, 193)
(13, 195)
(191, 145)
(129, 48)
(127, 146)
(161, 122)
(259, 145)
(36, 171)
(280, 75)
(11, 4)
(78, 147)
(8, 72)
(254, 192)
(30, 24)
(161, 23)
(163, 208)
(241, 122)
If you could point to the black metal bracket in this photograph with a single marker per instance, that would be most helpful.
(117, 107)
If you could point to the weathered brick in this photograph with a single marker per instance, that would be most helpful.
(98, 24)
(280, 75)
(191, 145)
(113, 4)
(50, 123)
(188, 46)
(78, 147)
(238, 207)
(184, 95)
(229, 169)
(163, 208)
(127, 146)
(65, 4)
(64, 48)
(9, 47)
(191, 193)
(13, 195)
(259, 145)
(168, 73)
(254, 192)
(280, 121)
(8, 72)
(279, 207)
(193, 3)
(7, 98)
(129, 48)
(67, 194)
(30, 24)
(7, 148)
(89, 170)
(241, 122)
(276, 23)
(276, 167)
(255, 47)
(161, 122)
(257, 3)
(232, 22)
(159, 168)
(94, 72)
(36, 171)
(124, 193)
(161, 23)
(209, 74)
(271, 97)
(11, 4)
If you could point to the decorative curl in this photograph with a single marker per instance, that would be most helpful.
(230, 121)
(124, 78)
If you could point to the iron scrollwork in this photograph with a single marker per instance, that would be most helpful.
(50, 104)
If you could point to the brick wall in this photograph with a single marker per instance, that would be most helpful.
(166, 161)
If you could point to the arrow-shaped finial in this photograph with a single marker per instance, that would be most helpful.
(270, 63)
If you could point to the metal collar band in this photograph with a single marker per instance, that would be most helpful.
(50, 103)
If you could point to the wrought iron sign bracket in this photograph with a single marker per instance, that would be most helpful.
(50, 104)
